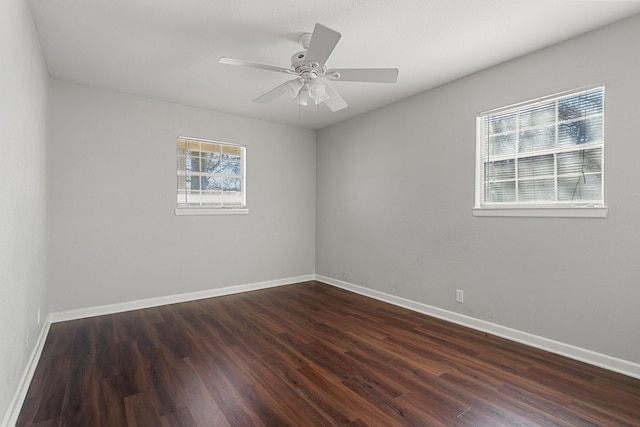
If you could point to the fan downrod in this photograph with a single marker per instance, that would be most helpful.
(304, 40)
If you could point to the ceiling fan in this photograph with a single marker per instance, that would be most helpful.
(311, 86)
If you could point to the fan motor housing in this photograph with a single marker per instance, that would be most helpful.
(299, 60)
(309, 70)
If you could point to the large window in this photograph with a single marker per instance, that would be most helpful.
(545, 154)
(211, 176)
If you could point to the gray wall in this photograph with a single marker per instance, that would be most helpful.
(23, 128)
(113, 233)
(395, 188)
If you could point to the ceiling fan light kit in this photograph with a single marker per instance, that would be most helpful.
(293, 87)
(311, 86)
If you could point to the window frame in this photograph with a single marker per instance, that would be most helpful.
(534, 209)
(210, 208)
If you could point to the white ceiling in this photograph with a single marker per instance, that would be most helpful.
(169, 49)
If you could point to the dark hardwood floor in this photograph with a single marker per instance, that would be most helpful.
(309, 355)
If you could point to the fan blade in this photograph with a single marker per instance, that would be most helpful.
(243, 63)
(375, 75)
(273, 93)
(323, 41)
(335, 101)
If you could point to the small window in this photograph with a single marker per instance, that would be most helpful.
(211, 177)
(541, 155)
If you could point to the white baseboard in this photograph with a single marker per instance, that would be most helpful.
(172, 299)
(591, 357)
(11, 416)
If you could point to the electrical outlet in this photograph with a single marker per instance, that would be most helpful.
(459, 295)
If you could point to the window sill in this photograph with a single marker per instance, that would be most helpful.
(549, 212)
(211, 211)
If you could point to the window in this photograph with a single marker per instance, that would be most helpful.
(211, 177)
(539, 157)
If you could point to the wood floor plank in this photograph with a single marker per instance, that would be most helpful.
(140, 411)
(271, 392)
(202, 407)
(79, 405)
(533, 402)
(169, 395)
(53, 388)
(179, 418)
(222, 389)
(133, 378)
(349, 404)
(110, 402)
(309, 354)
(105, 340)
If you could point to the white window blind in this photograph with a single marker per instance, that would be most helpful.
(544, 153)
(210, 174)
